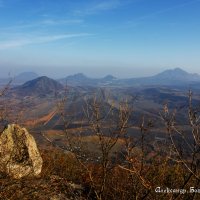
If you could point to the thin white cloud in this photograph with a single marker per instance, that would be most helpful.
(105, 5)
(170, 9)
(138, 21)
(60, 22)
(38, 40)
(46, 22)
(96, 8)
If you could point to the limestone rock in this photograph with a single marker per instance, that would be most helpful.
(19, 155)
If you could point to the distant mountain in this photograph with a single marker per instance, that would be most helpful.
(19, 79)
(77, 77)
(177, 74)
(82, 80)
(42, 86)
(109, 78)
(25, 76)
(169, 77)
(77, 80)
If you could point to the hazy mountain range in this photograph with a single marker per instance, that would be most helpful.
(175, 76)
(40, 94)
(169, 77)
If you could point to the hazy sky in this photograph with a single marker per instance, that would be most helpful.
(126, 38)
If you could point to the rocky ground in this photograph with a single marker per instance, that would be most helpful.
(49, 188)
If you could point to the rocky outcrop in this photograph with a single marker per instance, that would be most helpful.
(19, 155)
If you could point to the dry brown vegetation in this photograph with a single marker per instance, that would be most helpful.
(109, 164)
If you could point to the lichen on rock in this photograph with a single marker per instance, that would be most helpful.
(19, 155)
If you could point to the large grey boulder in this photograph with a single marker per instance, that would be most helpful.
(19, 155)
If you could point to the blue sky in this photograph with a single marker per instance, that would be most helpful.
(126, 38)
